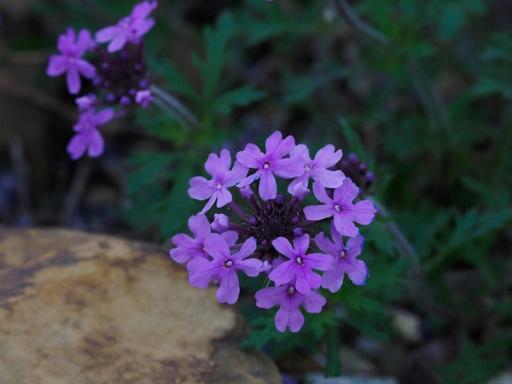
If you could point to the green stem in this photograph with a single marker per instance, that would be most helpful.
(333, 364)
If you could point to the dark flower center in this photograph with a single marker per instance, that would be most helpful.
(122, 74)
(268, 220)
(228, 264)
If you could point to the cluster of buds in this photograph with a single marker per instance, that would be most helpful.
(278, 235)
(117, 73)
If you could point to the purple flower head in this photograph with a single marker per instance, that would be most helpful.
(188, 247)
(129, 29)
(345, 260)
(70, 61)
(341, 207)
(316, 169)
(289, 300)
(299, 266)
(270, 164)
(224, 267)
(87, 137)
(269, 232)
(216, 189)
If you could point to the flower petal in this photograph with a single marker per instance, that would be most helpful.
(326, 157)
(106, 34)
(327, 178)
(345, 226)
(363, 212)
(96, 144)
(321, 194)
(288, 168)
(229, 288)
(283, 273)
(57, 65)
(283, 246)
(216, 246)
(318, 212)
(200, 188)
(268, 186)
(199, 225)
(357, 271)
(250, 157)
(319, 261)
(313, 302)
(268, 297)
(73, 81)
(301, 244)
(346, 193)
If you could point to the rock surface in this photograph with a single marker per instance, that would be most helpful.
(81, 308)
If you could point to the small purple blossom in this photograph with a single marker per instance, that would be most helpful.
(341, 207)
(129, 29)
(188, 247)
(87, 137)
(70, 61)
(317, 168)
(224, 267)
(85, 102)
(270, 164)
(289, 300)
(345, 260)
(217, 188)
(299, 266)
(143, 97)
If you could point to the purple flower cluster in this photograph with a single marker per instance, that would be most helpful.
(118, 74)
(276, 235)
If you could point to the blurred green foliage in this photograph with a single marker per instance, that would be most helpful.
(430, 111)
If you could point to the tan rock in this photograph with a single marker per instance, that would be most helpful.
(80, 308)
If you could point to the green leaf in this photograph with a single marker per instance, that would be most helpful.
(236, 98)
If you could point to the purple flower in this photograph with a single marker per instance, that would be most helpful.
(345, 260)
(188, 247)
(317, 169)
(87, 136)
(340, 207)
(85, 102)
(224, 267)
(300, 265)
(70, 59)
(270, 163)
(143, 97)
(216, 189)
(289, 301)
(130, 28)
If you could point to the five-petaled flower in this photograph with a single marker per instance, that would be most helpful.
(289, 300)
(341, 207)
(129, 29)
(317, 168)
(70, 61)
(345, 260)
(188, 247)
(299, 266)
(270, 164)
(216, 189)
(87, 137)
(224, 267)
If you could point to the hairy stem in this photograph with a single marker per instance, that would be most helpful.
(175, 105)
